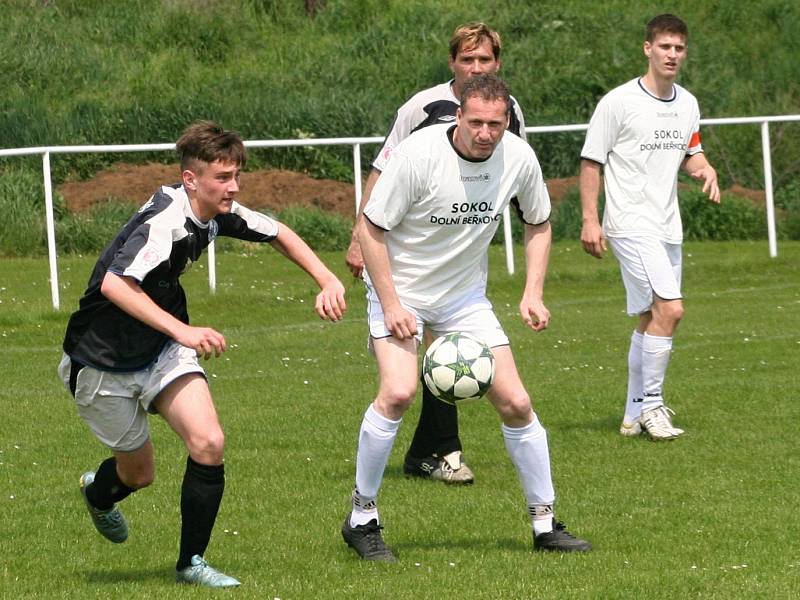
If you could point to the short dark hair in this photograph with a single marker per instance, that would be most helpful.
(205, 141)
(486, 86)
(666, 23)
(472, 35)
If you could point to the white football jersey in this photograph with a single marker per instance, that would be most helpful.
(440, 210)
(641, 141)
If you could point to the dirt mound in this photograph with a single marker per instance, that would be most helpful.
(269, 188)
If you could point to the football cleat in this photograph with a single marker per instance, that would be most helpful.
(630, 429)
(450, 469)
(199, 572)
(559, 540)
(657, 422)
(367, 541)
(110, 523)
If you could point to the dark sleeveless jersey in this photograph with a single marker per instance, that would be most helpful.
(155, 247)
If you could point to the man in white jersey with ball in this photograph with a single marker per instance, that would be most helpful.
(425, 237)
(436, 449)
(641, 134)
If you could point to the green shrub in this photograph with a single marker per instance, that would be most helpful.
(567, 219)
(89, 232)
(320, 230)
(22, 213)
(787, 200)
(735, 218)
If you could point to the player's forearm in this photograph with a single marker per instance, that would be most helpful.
(537, 257)
(295, 249)
(695, 162)
(589, 181)
(131, 298)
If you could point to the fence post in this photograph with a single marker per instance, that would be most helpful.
(212, 267)
(767, 152)
(357, 174)
(51, 229)
(508, 241)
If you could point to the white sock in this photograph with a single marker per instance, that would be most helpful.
(655, 360)
(527, 447)
(375, 441)
(542, 518)
(633, 403)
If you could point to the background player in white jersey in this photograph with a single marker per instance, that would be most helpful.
(436, 449)
(129, 348)
(640, 135)
(432, 216)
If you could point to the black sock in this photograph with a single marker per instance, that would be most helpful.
(437, 430)
(201, 495)
(107, 488)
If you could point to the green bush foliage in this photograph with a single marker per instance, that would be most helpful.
(320, 229)
(269, 70)
(22, 213)
(89, 232)
(734, 218)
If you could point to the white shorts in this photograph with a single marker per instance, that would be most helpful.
(115, 404)
(648, 267)
(471, 313)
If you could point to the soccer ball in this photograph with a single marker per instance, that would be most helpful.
(458, 367)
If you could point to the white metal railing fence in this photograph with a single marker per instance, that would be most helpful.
(356, 142)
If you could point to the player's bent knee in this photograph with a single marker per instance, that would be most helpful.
(669, 312)
(137, 477)
(141, 481)
(207, 447)
(515, 407)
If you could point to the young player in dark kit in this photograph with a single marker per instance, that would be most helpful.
(129, 349)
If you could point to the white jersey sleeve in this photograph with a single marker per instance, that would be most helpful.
(394, 193)
(603, 129)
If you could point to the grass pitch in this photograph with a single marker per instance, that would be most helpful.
(709, 515)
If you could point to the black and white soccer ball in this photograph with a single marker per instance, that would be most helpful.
(457, 367)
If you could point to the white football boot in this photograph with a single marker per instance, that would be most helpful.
(657, 422)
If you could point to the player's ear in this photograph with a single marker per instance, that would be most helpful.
(646, 47)
(189, 180)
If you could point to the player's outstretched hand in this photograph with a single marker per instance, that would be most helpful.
(330, 303)
(710, 184)
(534, 313)
(401, 323)
(204, 340)
(592, 239)
(354, 259)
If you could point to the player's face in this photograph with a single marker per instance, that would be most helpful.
(480, 125)
(473, 61)
(212, 188)
(666, 54)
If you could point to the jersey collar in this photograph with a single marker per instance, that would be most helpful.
(653, 96)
